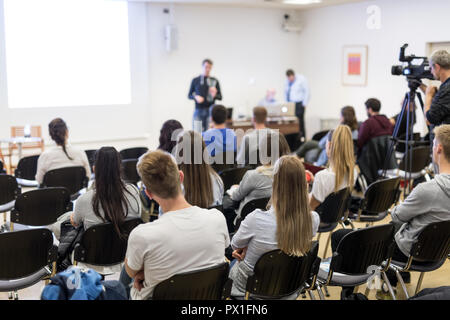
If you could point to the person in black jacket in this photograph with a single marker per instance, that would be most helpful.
(205, 90)
(437, 102)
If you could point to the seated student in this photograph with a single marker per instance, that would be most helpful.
(63, 155)
(256, 183)
(185, 238)
(110, 200)
(203, 187)
(167, 141)
(288, 225)
(426, 204)
(219, 138)
(348, 117)
(250, 141)
(377, 125)
(340, 172)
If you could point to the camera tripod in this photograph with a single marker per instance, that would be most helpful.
(409, 141)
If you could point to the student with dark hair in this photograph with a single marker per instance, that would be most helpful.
(377, 125)
(166, 141)
(110, 200)
(205, 90)
(219, 138)
(64, 155)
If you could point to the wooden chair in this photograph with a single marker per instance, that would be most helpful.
(19, 131)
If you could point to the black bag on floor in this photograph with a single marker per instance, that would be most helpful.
(70, 236)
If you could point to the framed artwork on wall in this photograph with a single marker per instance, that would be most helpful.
(354, 65)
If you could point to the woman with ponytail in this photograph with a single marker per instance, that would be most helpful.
(340, 173)
(63, 155)
(288, 225)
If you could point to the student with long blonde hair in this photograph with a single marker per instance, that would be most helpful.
(289, 224)
(341, 170)
(202, 185)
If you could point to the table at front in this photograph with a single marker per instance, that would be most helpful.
(20, 141)
(286, 125)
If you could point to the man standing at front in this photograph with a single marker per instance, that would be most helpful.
(205, 90)
(297, 91)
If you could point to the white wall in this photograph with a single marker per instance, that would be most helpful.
(328, 29)
(244, 43)
(94, 126)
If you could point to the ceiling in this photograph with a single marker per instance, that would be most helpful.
(255, 3)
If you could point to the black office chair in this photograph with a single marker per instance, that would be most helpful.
(133, 153)
(223, 161)
(218, 207)
(100, 245)
(232, 176)
(27, 257)
(428, 252)
(26, 171)
(278, 275)
(378, 199)
(41, 207)
(90, 153)
(333, 211)
(2, 168)
(9, 191)
(206, 284)
(251, 206)
(130, 174)
(293, 140)
(359, 254)
(72, 178)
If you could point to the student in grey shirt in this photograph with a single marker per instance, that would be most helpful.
(290, 217)
(111, 199)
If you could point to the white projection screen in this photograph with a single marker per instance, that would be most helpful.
(67, 53)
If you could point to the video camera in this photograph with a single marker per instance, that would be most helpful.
(412, 71)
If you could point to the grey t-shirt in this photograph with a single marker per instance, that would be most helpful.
(429, 202)
(84, 212)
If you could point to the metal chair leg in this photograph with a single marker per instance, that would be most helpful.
(327, 294)
(391, 291)
(419, 283)
(402, 283)
(319, 291)
(311, 295)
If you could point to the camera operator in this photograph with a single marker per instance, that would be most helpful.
(437, 102)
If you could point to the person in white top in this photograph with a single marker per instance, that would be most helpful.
(341, 171)
(185, 238)
(297, 90)
(63, 155)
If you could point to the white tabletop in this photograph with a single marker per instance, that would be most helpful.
(21, 139)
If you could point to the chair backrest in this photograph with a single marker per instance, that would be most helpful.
(205, 284)
(362, 248)
(381, 195)
(433, 242)
(277, 274)
(252, 205)
(333, 208)
(133, 153)
(293, 140)
(72, 178)
(35, 131)
(101, 245)
(41, 207)
(319, 135)
(25, 252)
(130, 173)
(420, 159)
(232, 176)
(91, 157)
(27, 168)
(9, 189)
(218, 207)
